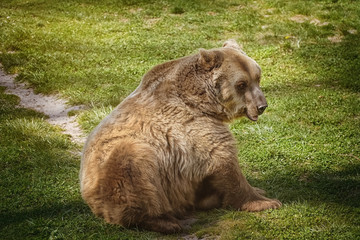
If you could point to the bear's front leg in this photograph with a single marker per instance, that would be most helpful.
(232, 188)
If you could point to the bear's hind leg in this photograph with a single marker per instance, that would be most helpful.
(229, 182)
(207, 196)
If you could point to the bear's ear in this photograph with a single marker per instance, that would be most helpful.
(231, 43)
(210, 59)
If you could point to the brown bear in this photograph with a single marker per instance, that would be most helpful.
(166, 150)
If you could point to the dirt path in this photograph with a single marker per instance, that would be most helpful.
(51, 105)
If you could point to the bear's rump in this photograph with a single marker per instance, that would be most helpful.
(132, 185)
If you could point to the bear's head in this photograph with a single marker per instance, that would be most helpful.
(235, 79)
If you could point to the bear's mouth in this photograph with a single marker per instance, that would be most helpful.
(252, 118)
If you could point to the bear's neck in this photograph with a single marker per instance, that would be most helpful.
(184, 80)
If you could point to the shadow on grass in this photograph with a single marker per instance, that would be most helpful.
(181, 6)
(56, 210)
(323, 186)
(71, 220)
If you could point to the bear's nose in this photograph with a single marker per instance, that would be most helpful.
(261, 109)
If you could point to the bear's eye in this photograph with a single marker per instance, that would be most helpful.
(240, 86)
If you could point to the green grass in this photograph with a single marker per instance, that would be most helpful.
(304, 150)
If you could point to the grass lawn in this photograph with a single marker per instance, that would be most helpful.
(304, 150)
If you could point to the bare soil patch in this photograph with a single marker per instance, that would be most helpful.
(336, 38)
(54, 107)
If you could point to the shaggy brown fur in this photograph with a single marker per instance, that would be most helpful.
(167, 150)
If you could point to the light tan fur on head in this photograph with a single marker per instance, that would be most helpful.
(166, 150)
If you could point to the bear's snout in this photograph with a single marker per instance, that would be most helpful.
(261, 108)
(260, 101)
